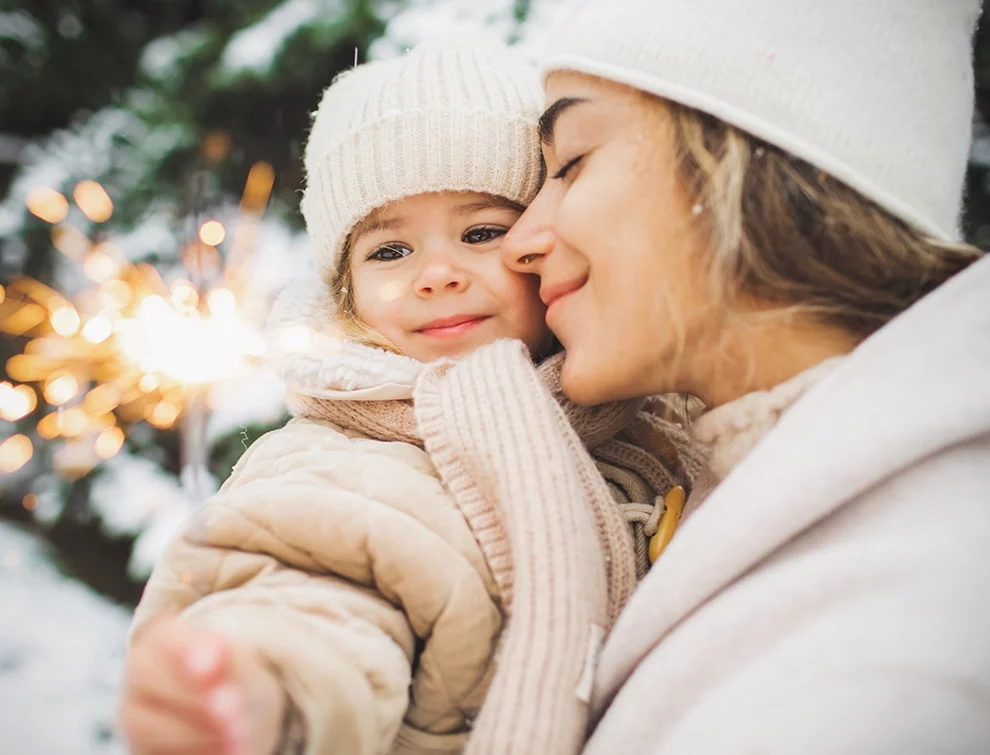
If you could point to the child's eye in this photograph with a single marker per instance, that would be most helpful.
(482, 234)
(390, 252)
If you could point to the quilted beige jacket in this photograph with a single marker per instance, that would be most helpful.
(336, 550)
(334, 555)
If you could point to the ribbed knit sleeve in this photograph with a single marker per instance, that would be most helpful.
(521, 478)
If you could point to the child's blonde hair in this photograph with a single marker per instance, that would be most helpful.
(345, 314)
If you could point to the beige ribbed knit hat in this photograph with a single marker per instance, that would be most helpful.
(443, 117)
(878, 93)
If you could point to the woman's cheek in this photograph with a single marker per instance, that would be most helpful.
(577, 215)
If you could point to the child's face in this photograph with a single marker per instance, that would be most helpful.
(428, 275)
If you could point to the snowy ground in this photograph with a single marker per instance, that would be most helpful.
(61, 650)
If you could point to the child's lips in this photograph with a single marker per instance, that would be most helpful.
(448, 327)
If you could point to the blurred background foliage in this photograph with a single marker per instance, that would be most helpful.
(168, 104)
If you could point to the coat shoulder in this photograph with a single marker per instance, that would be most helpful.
(305, 440)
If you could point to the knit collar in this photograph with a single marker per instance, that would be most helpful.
(732, 430)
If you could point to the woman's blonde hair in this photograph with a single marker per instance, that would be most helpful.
(786, 232)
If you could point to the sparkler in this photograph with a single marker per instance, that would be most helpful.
(128, 348)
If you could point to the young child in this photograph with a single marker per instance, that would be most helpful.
(347, 590)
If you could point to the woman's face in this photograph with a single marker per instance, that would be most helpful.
(613, 237)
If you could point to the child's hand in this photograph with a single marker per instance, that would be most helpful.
(188, 691)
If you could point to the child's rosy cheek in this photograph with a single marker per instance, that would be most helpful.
(391, 291)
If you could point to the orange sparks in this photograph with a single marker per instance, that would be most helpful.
(60, 387)
(93, 200)
(109, 442)
(64, 319)
(47, 204)
(15, 452)
(16, 402)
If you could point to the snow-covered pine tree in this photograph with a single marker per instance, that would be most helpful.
(168, 107)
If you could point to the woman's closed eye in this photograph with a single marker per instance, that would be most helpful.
(390, 252)
(483, 234)
(562, 173)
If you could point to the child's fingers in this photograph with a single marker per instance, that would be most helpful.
(197, 653)
(153, 678)
(153, 730)
(202, 655)
(193, 709)
(228, 708)
(184, 670)
(219, 715)
(223, 711)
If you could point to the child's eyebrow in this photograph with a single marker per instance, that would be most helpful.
(372, 225)
(495, 202)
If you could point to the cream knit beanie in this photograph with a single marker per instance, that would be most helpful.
(877, 93)
(443, 117)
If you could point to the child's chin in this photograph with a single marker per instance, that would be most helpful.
(450, 350)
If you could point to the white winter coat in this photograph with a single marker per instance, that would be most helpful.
(832, 595)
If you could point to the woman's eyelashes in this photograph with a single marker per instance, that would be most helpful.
(390, 252)
(562, 173)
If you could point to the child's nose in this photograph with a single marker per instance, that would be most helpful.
(441, 273)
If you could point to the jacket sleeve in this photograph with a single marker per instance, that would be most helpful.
(334, 586)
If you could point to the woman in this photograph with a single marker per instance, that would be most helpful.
(757, 203)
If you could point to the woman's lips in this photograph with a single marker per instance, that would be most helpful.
(553, 295)
(452, 326)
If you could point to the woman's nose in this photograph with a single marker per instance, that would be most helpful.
(531, 239)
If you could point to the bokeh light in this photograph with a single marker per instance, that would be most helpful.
(109, 442)
(212, 233)
(15, 452)
(93, 200)
(97, 329)
(60, 387)
(65, 319)
(16, 402)
(47, 204)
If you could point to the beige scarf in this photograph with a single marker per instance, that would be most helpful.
(514, 454)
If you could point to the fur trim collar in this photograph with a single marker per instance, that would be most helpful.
(324, 364)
